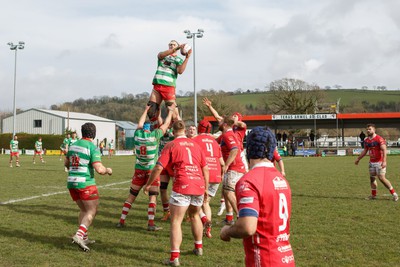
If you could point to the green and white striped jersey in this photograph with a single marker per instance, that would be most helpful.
(82, 154)
(14, 145)
(64, 143)
(167, 73)
(167, 137)
(72, 141)
(146, 148)
(38, 145)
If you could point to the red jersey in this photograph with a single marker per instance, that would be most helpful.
(240, 134)
(229, 142)
(264, 193)
(374, 148)
(187, 159)
(212, 151)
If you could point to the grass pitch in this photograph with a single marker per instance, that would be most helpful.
(332, 224)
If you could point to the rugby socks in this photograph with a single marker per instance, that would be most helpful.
(392, 191)
(198, 244)
(81, 231)
(373, 192)
(125, 210)
(229, 216)
(175, 253)
(165, 206)
(203, 217)
(150, 213)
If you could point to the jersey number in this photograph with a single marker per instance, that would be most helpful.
(210, 149)
(75, 161)
(143, 150)
(283, 212)
(189, 155)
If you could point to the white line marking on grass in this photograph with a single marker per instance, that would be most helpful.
(53, 194)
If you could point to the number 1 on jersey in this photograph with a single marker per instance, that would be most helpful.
(189, 155)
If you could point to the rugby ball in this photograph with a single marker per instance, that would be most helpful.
(185, 49)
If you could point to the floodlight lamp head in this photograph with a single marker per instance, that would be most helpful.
(21, 46)
(186, 31)
(199, 35)
(200, 30)
(189, 36)
(21, 42)
(9, 43)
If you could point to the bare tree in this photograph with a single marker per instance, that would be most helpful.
(292, 96)
(221, 103)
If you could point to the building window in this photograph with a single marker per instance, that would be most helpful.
(37, 123)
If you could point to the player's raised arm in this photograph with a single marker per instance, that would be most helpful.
(142, 119)
(173, 47)
(180, 69)
(208, 103)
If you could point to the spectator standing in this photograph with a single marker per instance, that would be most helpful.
(362, 138)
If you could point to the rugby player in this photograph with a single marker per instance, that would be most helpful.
(146, 148)
(215, 163)
(14, 151)
(188, 190)
(375, 146)
(264, 204)
(81, 160)
(38, 150)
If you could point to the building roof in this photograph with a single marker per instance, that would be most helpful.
(126, 125)
(343, 120)
(340, 116)
(72, 115)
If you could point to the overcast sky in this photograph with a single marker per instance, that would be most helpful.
(85, 48)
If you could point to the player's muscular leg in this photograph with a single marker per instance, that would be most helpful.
(90, 210)
(374, 184)
(155, 97)
(177, 214)
(196, 224)
(154, 103)
(385, 181)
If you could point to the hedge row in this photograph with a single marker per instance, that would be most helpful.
(27, 141)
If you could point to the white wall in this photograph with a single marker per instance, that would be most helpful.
(103, 129)
(25, 123)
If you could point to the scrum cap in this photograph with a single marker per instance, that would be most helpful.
(204, 127)
(260, 144)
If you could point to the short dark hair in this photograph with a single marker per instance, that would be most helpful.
(371, 125)
(88, 130)
(178, 126)
(228, 120)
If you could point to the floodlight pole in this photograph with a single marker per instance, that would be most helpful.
(14, 47)
(337, 125)
(194, 35)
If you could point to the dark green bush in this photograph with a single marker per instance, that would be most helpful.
(27, 141)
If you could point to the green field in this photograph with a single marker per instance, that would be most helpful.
(332, 224)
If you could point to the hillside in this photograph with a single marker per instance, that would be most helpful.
(129, 107)
(348, 98)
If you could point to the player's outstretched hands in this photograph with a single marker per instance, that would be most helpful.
(206, 102)
(223, 234)
(189, 53)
